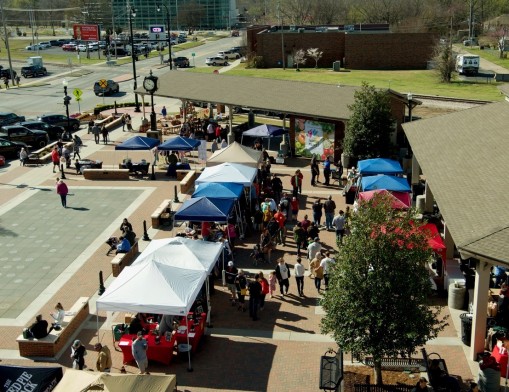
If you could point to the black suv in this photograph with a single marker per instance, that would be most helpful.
(18, 133)
(10, 149)
(60, 120)
(112, 87)
(7, 118)
(182, 62)
(54, 131)
(33, 70)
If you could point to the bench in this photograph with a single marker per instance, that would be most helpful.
(382, 388)
(106, 174)
(396, 362)
(56, 340)
(181, 174)
(122, 260)
(165, 207)
(187, 182)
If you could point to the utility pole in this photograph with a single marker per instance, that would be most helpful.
(7, 41)
(282, 34)
(471, 21)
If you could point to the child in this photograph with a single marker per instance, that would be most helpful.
(294, 204)
(272, 283)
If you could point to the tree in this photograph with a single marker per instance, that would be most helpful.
(376, 303)
(370, 125)
(315, 54)
(444, 62)
(299, 57)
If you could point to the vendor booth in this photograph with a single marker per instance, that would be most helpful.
(228, 172)
(436, 243)
(271, 134)
(78, 380)
(369, 167)
(236, 153)
(399, 200)
(138, 143)
(179, 143)
(390, 183)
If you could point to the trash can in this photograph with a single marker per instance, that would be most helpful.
(466, 328)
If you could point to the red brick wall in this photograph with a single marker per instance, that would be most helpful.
(389, 51)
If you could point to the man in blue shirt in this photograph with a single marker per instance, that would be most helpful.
(326, 170)
(124, 246)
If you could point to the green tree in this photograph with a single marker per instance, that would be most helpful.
(376, 303)
(370, 125)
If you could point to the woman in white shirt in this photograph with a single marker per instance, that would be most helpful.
(58, 315)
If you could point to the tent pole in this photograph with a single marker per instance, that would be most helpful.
(209, 306)
(189, 369)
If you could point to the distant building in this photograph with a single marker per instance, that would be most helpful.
(356, 46)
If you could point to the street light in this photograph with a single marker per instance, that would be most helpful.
(168, 27)
(132, 14)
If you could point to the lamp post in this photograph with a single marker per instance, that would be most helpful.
(168, 28)
(67, 101)
(132, 14)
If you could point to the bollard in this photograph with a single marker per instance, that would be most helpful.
(62, 170)
(153, 177)
(176, 200)
(115, 106)
(145, 234)
(102, 289)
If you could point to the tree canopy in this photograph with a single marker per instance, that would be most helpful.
(370, 125)
(377, 301)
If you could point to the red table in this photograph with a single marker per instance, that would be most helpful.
(162, 352)
(501, 359)
(194, 336)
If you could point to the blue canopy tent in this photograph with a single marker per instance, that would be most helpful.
(390, 183)
(138, 143)
(203, 209)
(179, 143)
(264, 131)
(368, 167)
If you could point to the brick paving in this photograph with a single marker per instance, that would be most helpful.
(280, 352)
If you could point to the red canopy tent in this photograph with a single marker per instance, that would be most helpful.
(435, 240)
(399, 200)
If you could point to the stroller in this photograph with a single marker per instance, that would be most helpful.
(257, 255)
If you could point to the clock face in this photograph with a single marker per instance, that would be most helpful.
(149, 84)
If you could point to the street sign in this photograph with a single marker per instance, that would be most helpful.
(193, 54)
(103, 83)
(78, 99)
(77, 93)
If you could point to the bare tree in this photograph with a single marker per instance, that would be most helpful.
(315, 54)
(296, 11)
(299, 57)
(444, 62)
(501, 36)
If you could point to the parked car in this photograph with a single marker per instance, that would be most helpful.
(216, 60)
(61, 120)
(229, 55)
(81, 47)
(45, 44)
(19, 133)
(54, 131)
(33, 70)
(33, 47)
(93, 46)
(69, 47)
(181, 40)
(64, 41)
(7, 118)
(182, 62)
(6, 73)
(10, 149)
(470, 42)
(120, 52)
(112, 87)
(56, 42)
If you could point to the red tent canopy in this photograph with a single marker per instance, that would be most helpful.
(399, 200)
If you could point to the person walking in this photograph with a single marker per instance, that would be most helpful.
(129, 123)
(18, 79)
(230, 275)
(314, 249)
(55, 158)
(317, 271)
(23, 156)
(164, 112)
(327, 170)
(329, 207)
(272, 283)
(255, 292)
(299, 276)
(265, 289)
(90, 126)
(326, 265)
(339, 224)
(96, 131)
(296, 182)
(315, 170)
(139, 350)
(104, 361)
(241, 286)
(78, 352)
(299, 236)
(62, 190)
(283, 276)
(123, 122)
(77, 143)
(104, 132)
(317, 208)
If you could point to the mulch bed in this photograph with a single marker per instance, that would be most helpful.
(364, 375)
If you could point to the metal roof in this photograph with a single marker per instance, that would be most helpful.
(464, 157)
(324, 101)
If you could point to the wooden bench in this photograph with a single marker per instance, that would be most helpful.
(122, 260)
(187, 182)
(106, 174)
(56, 340)
(165, 207)
(383, 388)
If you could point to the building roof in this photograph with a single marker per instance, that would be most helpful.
(324, 101)
(464, 158)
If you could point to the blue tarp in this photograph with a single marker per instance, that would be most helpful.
(264, 131)
(203, 209)
(179, 143)
(225, 190)
(390, 183)
(379, 166)
(138, 143)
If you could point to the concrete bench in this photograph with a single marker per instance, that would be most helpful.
(181, 174)
(56, 340)
(187, 182)
(106, 174)
(122, 260)
(165, 207)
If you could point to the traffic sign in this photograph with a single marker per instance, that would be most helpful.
(193, 54)
(78, 99)
(103, 83)
(77, 93)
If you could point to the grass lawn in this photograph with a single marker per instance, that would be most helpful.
(490, 55)
(414, 81)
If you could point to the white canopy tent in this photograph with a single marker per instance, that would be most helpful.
(237, 153)
(229, 172)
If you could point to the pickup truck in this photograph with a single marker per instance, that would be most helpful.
(19, 133)
(33, 70)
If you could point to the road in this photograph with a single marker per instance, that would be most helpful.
(45, 95)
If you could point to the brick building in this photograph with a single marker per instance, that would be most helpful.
(357, 47)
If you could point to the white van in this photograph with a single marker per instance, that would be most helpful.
(467, 64)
